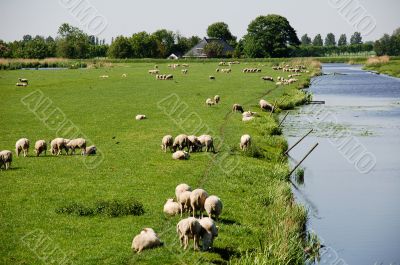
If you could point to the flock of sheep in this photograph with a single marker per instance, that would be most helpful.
(56, 147)
(202, 229)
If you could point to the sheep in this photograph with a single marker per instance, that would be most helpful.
(217, 99)
(185, 65)
(171, 208)
(180, 189)
(264, 105)
(40, 146)
(211, 77)
(57, 145)
(209, 231)
(153, 71)
(226, 70)
(267, 78)
(207, 141)
(77, 143)
(213, 206)
(124, 75)
(245, 142)
(237, 107)
(5, 159)
(197, 200)
(187, 229)
(247, 118)
(155, 66)
(249, 113)
(278, 83)
(180, 155)
(23, 80)
(146, 239)
(194, 143)
(180, 142)
(217, 70)
(104, 76)
(210, 102)
(21, 84)
(167, 141)
(140, 117)
(184, 71)
(22, 145)
(184, 201)
(169, 77)
(91, 150)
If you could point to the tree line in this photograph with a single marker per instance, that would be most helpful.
(267, 36)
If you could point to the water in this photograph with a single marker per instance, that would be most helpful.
(353, 200)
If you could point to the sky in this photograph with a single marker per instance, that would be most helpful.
(107, 19)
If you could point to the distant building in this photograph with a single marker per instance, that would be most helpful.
(198, 50)
(173, 56)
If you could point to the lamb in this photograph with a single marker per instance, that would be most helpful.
(197, 200)
(210, 102)
(21, 84)
(217, 99)
(90, 150)
(187, 229)
(171, 208)
(237, 107)
(194, 143)
(140, 117)
(167, 141)
(77, 143)
(184, 71)
(23, 80)
(184, 201)
(264, 105)
(5, 159)
(180, 142)
(57, 145)
(213, 206)
(208, 233)
(245, 142)
(22, 145)
(146, 239)
(180, 155)
(40, 146)
(207, 141)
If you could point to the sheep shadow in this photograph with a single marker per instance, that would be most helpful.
(225, 253)
(228, 221)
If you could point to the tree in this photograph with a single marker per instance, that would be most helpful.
(317, 40)
(120, 48)
(305, 40)
(221, 30)
(4, 50)
(36, 48)
(72, 42)
(330, 40)
(356, 38)
(144, 45)
(342, 40)
(165, 42)
(214, 49)
(269, 36)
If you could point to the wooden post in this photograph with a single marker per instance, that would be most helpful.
(283, 119)
(301, 161)
(301, 139)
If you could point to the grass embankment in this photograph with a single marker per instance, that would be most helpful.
(384, 65)
(260, 222)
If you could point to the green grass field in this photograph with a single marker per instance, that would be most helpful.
(260, 222)
(391, 68)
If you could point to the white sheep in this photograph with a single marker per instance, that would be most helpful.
(21, 84)
(22, 145)
(23, 80)
(209, 232)
(237, 107)
(211, 77)
(167, 142)
(187, 229)
(180, 142)
(184, 71)
(184, 201)
(264, 105)
(91, 150)
(213, 206)
(194, 143)
(124, 75)
(180, 155)
(169, 77)
(171, 208)
(40, 146)
(77, 143)
(210, 102)
(5, 159)
(140, 117)
(197, 200)
(207, 141)
(217, 99)
(245, 142)
(181, 188)
(153, 71)
(146, 239)
(57, 144)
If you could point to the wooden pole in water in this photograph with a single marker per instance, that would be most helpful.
(301, 161)
(301, 139)
(283, 119)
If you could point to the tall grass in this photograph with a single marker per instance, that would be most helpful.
(15, 64)
(378, 60)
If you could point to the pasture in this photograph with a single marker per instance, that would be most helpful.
(259, 218)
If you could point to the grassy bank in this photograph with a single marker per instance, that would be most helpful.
(384, 65)
(16, 64)
(260, 222)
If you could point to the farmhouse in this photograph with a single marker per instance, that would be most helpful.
(198, 50)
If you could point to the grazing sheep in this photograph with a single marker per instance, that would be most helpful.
(226, 70)
(171, 208)
(267, 78)
(155, 66)
(123, 75)
(77, 143)
(211, 77)
(22, 145)
(194, 143)
(169, 77)
(264, 105)
(23, 80)
(180, 189)
(245, 142)
(213, 206)
(197, 200)
(167, 141)
(237, 107)
(140, 117)
(91, 150)
(104, 76)
(184, 201)
(40, 146)
(217, 99)
(187, 229)
(208, 233)
(153, 71)
(21, 84)
(210, 102)
(180, 155)
(57, 145)
(217, 70)
(146, 239)
(185, 65)
(5, 159)
(207, 141)
(180, 142)
(184, 71)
